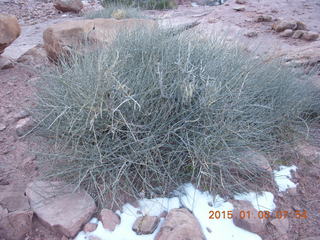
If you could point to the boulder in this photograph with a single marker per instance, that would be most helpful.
(61, 38)
(286, 33)
(180, 224)
(15, 225)
(255, 160)
(109, 219)
(59, 207)
(68, 5)
(298, 34)
(250, 223)
(9, 30)
(280, 26)
(145, 224)
(310, 36)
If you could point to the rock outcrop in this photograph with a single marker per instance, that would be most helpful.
(9, 30)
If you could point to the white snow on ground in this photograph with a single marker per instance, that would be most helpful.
(282, 177)
(261, 201)
(200, 203)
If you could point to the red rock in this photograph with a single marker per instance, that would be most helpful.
(286, 33)
(15, 225)
(310, 36)
(180, 224)
(283, 25)
(145, 224)
(250, 223)
(9, 30)
(109, 219)
(90, 227)
(60, 38)
(58, 207)
(68, 5)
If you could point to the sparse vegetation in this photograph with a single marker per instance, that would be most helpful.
(116, 11)
(144, 4)
(154, 110)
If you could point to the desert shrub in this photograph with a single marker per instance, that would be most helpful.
(155, 110)
(114, 10)
(144, 4)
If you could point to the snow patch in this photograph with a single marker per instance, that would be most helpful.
(282, 177)
(261, 201)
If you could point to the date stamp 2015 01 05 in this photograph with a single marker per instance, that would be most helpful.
(242, 214)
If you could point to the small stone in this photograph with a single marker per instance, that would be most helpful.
(251, 34)
(241, 1)
(310, 36)
(24, 126)
(280, 26)
(5, 63)
(109, 219)
(90, 227)
(298, 34)
(286, 33)
(64, 238)
(21, 114)
(145, 225)
(263, 18)
(281, 224)
(239, 8)
(2, 127)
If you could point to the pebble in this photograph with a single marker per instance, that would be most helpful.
(2, 127)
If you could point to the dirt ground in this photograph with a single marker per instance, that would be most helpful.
(17, 167)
